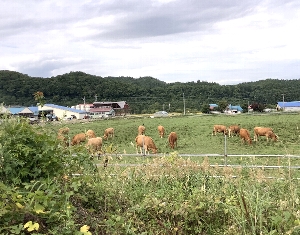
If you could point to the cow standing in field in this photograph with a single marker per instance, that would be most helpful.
(141, 130)
(109, 132)
(172, 138)
(264, 131)
(233, 129)
(146, 143)
(161, 131)
(245, 136)
(78, 138)
(220, 129)
(94, 144)
(90, 134)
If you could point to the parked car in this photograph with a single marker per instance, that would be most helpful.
(33, 120)
(161, 114)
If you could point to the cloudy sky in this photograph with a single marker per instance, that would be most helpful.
(223, 41)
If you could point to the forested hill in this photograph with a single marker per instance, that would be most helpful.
(145, 94)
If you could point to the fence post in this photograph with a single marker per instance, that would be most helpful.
(225, 149)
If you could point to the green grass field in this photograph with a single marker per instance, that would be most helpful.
(195, 137)
(195, 133)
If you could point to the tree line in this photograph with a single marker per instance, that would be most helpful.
(144, 94)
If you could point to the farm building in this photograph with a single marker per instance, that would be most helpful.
(119, 107)
(212, 106)
(84, 107)
(32, 111)
(102, 112)
(292, 106)
(234, 109)
(62, 112)
(15, 110)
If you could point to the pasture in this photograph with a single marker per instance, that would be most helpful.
(195, 136)
(167, 193)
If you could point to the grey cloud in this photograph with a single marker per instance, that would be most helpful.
(144, 20)
(45, 66)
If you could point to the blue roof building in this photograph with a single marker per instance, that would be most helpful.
(289, 106)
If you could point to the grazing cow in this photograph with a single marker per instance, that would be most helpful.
(145, 142)
(94, 144)
(141, 130)
(109, 132)
(90, 134)
(161, 131)
(78, 138)
(245, 136)
(233, 129)
(172, 138)
(220, 128)
(264, 131)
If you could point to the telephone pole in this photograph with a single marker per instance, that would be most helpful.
(183, 104)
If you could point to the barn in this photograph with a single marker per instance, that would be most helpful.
(292, 106)
(32, 111)
(62, 112)
(119, 107)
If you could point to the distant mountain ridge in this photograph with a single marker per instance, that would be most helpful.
(144, 94)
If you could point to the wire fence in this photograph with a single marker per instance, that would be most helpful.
(225, 159)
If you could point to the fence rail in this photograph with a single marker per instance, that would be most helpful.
(219, 155)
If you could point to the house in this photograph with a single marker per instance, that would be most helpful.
(61, 112)
(292, 106)
(102, 112)
(119, 107)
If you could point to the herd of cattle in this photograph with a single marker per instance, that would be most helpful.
(94, 143)
(146, 143)
(244, 133)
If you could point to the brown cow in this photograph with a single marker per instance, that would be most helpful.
(233, 129)
(161, 131)
(90, 134)
(264, 131)
(141, 130)
(78, 138)
(220, 128)
(245, 136)
(145, 142)
(109, 132)
(172, 139)
(94, 144)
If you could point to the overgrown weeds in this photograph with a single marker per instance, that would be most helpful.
(49, 189)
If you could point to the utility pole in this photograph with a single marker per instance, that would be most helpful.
(248, 106)
(183, 104)
(84, 107)
(283, 101)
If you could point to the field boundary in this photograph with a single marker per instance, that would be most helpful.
(220, 155)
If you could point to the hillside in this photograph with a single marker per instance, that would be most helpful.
(144, 94)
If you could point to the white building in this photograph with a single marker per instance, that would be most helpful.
(62, 111)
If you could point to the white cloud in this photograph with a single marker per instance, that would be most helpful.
(171, 40)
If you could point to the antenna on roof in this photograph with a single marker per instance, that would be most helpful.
(96, 97)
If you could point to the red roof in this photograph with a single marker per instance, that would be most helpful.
(100, 109)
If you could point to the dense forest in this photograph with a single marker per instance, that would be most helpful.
(144, 94)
